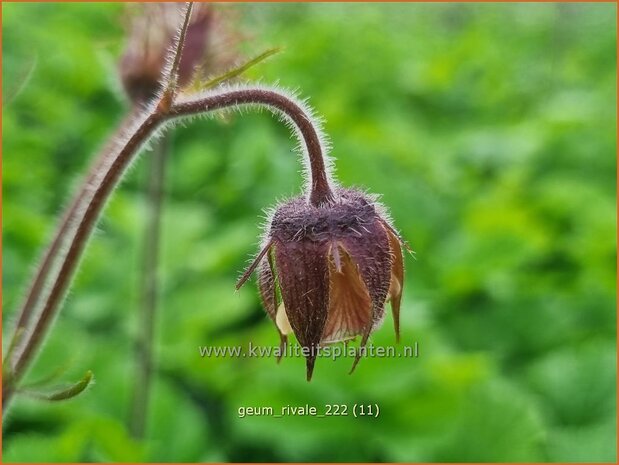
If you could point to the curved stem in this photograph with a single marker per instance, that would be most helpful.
(320, 191)
(50, 256)
(95, 203)
(84, 228)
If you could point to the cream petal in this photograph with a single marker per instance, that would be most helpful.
(281, 320)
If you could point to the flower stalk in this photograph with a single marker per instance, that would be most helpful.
(106, 175)
(37, 287)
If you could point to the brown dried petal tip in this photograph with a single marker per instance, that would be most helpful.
(335, 266)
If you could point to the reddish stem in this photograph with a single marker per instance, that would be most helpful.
(320, 192)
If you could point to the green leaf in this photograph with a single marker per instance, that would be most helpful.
(63, 394)
(235, 72)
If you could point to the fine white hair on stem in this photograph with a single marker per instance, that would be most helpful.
(58, 249)
(169, 76)
(143, 128)
(308, 112)
(158, 115)
(87, 197)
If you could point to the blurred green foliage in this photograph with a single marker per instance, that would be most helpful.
(489, 130)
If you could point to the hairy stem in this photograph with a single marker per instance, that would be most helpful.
(149, 290)
(106, 181)
(88, 219)
(82, 233)
(320, 190)
(170, 85)
(51, 255)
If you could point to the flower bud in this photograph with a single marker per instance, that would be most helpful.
(334, 265)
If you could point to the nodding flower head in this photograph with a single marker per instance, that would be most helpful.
(326, 271)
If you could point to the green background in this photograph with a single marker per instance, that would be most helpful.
(489, 131)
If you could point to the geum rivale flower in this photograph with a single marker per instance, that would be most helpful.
(328, 267)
